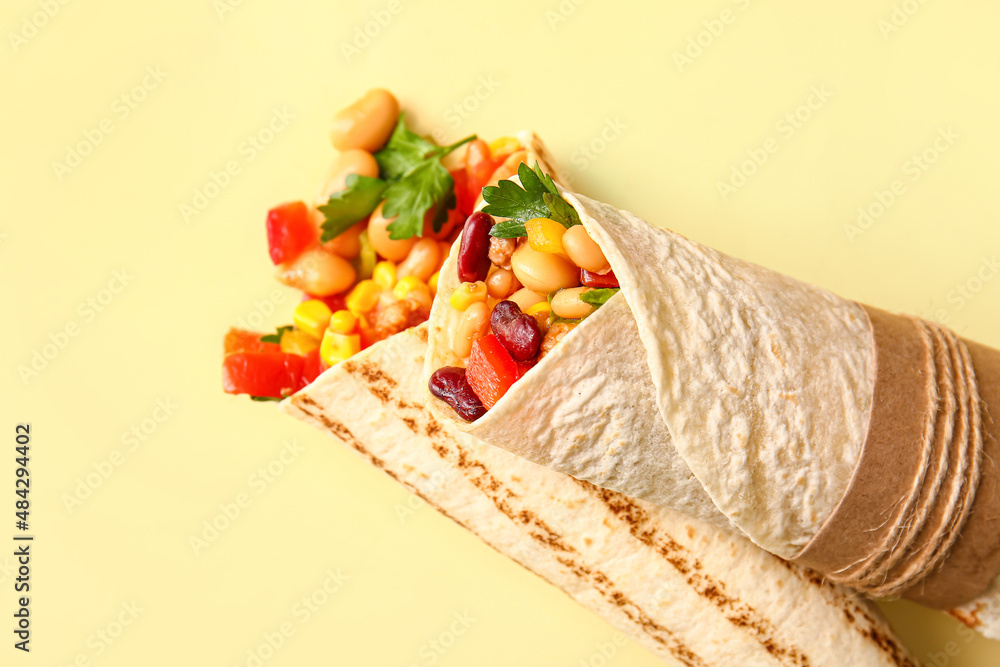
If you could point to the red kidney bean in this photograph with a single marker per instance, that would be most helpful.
(591, 279)
(474, 253)
(450, 385)
(516, 331)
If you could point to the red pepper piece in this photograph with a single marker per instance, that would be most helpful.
(491, 370)
(465, 202)
(591, 279)
(289, 231)
(312, 367)
(262, 374)
(479, 167)
(241, 340)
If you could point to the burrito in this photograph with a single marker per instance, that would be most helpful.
(829, 433)
(691, 593)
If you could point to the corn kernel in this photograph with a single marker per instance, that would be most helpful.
(467, 294)
(298, 341)
(545, 235)
(312, 317)
(343, 322)
(337, 346)
(433, 283)
(408, 285)
(384, 274)
(363, 297)
(503, 147)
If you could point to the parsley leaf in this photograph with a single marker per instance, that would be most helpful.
(598, 297)
(404, 151)
(408, 199)
(263, 399)
(416, 181)
(508, 229)
(275, 337)
(346, 207)
(561, 211)
(536, 197)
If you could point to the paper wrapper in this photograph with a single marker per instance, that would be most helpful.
(763, 388)
(691, 593)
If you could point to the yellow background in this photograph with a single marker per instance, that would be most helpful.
(574, 71)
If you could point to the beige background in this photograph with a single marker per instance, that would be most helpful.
(632, 123)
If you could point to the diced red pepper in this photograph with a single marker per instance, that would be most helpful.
(525, 366)
(241, 340)
(312, 367)
(479, 167)
(465, 201)
(267, 374)
(591, 279)
(491, 370)
(289, 231)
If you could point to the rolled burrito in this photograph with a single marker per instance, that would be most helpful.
(830, 433)
(690, 593)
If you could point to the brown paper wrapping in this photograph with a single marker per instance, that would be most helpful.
(921, 515)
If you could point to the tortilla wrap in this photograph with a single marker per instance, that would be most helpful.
(691, 593)
(764, 390)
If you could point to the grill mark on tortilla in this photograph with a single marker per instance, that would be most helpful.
(501, 496)
(852, 610)
(737, 612)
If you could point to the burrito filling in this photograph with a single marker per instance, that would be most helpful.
(528, 277)
(367, 256)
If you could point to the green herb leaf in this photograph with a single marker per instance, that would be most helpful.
(275, 337)
(405, 150)
(508, 230)
(536, 197)
(350, 205)
(598, 297)
(264, 399)
(507, 199)
(409, 199)
(561, 211)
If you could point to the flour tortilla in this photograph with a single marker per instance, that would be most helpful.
(691, 593)
(762, 386)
